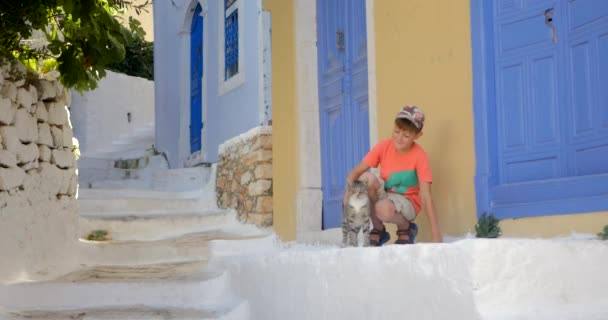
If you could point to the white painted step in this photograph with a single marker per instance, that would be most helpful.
(152, 228)
(239, 311)
(124, 193)
(87, 290)
(186, 247)
(143, 206)
(220, 248)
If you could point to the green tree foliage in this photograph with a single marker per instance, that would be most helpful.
(139, 55)
(84, 37)
(487, 227)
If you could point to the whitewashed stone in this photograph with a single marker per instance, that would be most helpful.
(24, 98)
(26, 125)
(57, 134)
(30, 165)
(73, 187)
(50, 175)
(67, 137)
(46, 90)
(41, 113)
(62, 158)
(34, 92)
(11, 178)
(19, 72)
(27, 153)
(65, 181)
(7, 159)
(45, 153)
(9, 90)
(9, 138)
(31, 182)
(58, 113)
(59, 88)
(1, 78)
(7, 113)
(44, 135)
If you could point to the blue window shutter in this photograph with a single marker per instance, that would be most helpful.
(231, 52)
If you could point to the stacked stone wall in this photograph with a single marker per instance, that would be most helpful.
(244, 176)
(38, 180)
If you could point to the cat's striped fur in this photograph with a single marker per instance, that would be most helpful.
(355, 214)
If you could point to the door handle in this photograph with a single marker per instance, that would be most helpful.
(340, 40)
(549, 22)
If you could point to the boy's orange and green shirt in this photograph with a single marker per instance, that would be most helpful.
(402, 173)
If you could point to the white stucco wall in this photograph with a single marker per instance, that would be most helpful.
(100, 117)
(227, 110)
(38, 181)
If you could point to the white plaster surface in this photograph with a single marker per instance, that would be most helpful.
(466, 279)
(99, 117)
(38, 208)
(260, 130)
(38, 234)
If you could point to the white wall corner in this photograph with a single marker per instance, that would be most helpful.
(309, 198)
(265, 65)
(309, 203)
(183, 143)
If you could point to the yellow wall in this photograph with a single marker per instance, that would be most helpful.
(284, 124)
(423, 57)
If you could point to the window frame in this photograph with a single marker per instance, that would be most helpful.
(236, 80)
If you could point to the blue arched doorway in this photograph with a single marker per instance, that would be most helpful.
(196, 80)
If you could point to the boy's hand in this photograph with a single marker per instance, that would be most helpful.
(436, 236)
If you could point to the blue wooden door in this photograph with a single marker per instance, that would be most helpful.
(343, 97)
(551, 112)
(196, 79)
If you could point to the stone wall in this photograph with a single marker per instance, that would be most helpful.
(244, 176)
(38, 181)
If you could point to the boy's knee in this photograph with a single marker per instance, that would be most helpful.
(372, 182)
(385, 209)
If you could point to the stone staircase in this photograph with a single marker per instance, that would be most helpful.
(155, 261)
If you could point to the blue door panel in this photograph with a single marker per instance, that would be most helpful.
(343, 106)
(582, 13)
(549, 105)
(196, 77)
(587, 54)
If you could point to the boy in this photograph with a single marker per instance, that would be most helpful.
(404, 185)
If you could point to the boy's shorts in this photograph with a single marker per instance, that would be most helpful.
(402, 203)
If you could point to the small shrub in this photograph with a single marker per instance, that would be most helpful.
(487, 227)
(604, 235)
(98, 235)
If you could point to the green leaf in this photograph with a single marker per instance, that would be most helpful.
(487, 227)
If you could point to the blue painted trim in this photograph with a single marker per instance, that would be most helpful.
(480, 100)
(541, 198)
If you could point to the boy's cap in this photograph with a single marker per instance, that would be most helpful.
(413, 114)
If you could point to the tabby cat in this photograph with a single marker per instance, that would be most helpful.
(355, 214)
